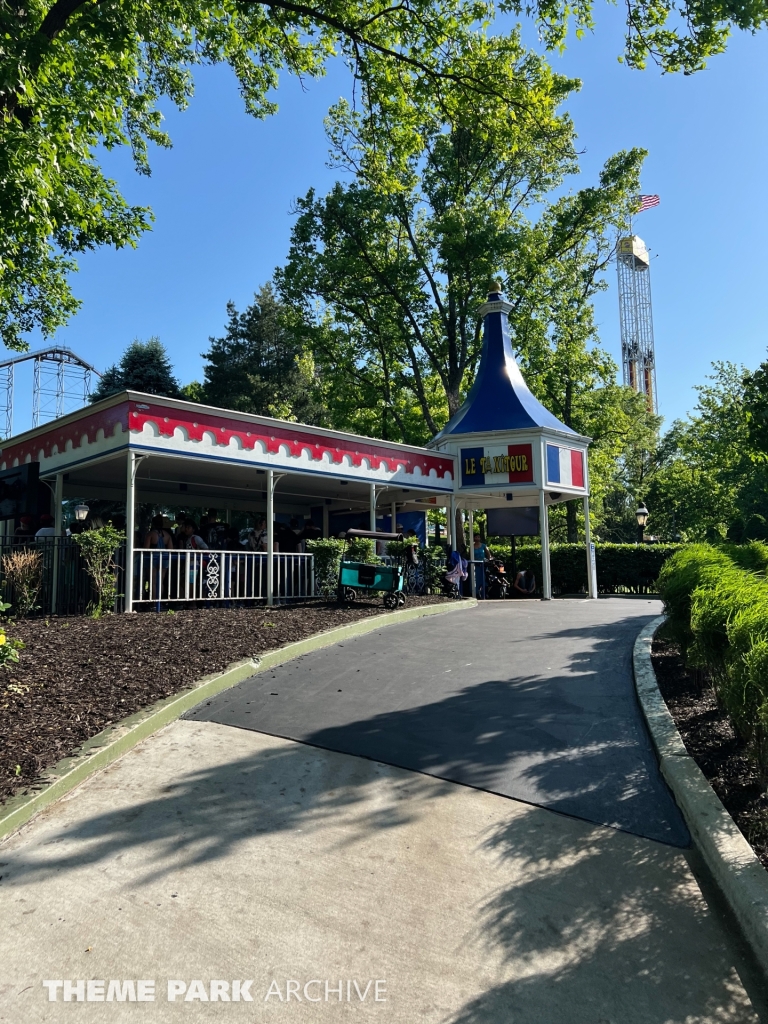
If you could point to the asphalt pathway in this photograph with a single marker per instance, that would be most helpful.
(531, 701)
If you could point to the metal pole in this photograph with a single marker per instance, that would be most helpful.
(546, 580)
(58, 499)
(591, 574)
(454, 538)
(326, 522)
(129, 530)
(471, 553)
(58, 539)
(270, 535)
(372, 525)
(393, 517)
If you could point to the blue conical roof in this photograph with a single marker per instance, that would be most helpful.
(499, 399)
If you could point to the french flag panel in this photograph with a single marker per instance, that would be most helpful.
(565, 466)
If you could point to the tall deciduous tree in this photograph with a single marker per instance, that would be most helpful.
(76, 75)
(389, 271)
(756, 411)
(386, 274)
(145, 366)
(705, 483)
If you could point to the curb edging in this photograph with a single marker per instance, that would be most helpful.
(105, 747)
(740, 876)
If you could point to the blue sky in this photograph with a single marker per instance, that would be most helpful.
(222, 199)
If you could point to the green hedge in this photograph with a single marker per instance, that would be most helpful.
(327, 554)
(718, 610)
(621, 568)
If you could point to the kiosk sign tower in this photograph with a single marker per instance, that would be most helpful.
(508, 446)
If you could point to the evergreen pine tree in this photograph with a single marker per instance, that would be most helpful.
(145, 367)
(259, 366)
(110, 383)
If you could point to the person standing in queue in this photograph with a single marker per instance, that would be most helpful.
(479, 555)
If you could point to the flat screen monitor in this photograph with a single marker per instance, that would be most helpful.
(513, 522)
(18, 491)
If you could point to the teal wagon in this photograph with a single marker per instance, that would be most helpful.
(355, 577)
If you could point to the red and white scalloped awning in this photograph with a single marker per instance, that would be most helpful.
(168, 426)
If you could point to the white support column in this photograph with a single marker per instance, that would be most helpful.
(270, 536)
(393, 516)
(546, 578)
(326, 521)
(372, 518)
(453, 537)
(129, 529)
(471, 553)
(591, 567)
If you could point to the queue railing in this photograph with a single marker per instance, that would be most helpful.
(220, 576)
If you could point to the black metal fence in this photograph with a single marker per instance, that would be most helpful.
(66, 587)
(160, 578)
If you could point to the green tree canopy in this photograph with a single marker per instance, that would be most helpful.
(676, 35)
(756, 411)
(259, 366)
(144, 367)
(705, 483)
(77, 75)
(387, 273)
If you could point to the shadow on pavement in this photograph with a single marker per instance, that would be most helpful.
(589, 925)
(588, 920)
(570, 738)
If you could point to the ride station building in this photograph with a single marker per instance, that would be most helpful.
(502, 450)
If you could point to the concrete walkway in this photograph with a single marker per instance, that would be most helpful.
(212, 853)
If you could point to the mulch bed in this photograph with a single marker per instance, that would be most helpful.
(81, 675)
(712, 742)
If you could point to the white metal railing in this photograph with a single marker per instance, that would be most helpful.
(219, 576)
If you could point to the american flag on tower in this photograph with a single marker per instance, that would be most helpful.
(647, 202)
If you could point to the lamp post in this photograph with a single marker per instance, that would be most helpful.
(641, 514)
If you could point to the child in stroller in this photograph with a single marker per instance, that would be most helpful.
(455, 574)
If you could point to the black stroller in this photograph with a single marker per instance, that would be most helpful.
(496, 580)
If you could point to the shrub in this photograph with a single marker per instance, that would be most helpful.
(23, 569)
(749, 690)
(723, 592)
(753, 556)
(720, 612)
(361, 549)
(745, 688)
(327, 555)
(679, 577)
(9, 647)
(433, 559)
(98, 550)
(621, 568)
